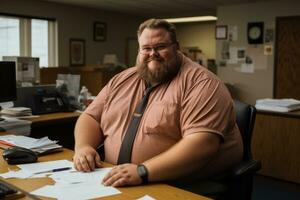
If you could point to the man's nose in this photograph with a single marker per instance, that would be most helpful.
(153, 52)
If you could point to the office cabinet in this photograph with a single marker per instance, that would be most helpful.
(276, 142)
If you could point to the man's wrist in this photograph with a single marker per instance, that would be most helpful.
(143, 173)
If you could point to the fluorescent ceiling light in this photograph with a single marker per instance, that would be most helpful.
(192, 19)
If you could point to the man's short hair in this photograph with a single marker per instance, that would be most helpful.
(158, 23)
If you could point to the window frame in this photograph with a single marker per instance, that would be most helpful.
(25, 36)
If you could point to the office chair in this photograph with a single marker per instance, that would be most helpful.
(240, 180)
(235, 184)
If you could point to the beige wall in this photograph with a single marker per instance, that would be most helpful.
(252, 86)
(77, 22)
(200, 34)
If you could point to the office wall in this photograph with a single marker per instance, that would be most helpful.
(77, 22)
(252, 86)
(198, 34)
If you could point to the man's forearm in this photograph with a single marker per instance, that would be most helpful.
(87, 132)
(188, 155)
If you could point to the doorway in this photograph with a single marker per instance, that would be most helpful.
(287, 58)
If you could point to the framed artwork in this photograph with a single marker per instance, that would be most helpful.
(100, 30)
(221, 32)
(77, 52)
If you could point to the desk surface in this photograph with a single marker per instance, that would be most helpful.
(52, 118)
(157, 191)
(292, 114)
(55, 116)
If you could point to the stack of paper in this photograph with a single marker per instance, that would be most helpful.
(42, 145)
(77, 185)
(69, 184)
(16, 111)
(16, 126)
(279, 105)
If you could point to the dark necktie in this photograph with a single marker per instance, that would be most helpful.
(127, 143)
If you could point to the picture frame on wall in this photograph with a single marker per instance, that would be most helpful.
(100, 31)
(77, 52)
(221, 32)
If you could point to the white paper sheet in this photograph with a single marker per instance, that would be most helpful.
(233, 58)
(247, 68)
(44, 166)
(78, 185)
(71, 177)
(232, 33)
(76, 191)
(29, 170)
(37, 145)
(146, 197)
(21, 174)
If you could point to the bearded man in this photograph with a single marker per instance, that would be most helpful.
(185, 130)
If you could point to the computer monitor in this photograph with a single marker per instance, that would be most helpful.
(27, 69)
(8, 85)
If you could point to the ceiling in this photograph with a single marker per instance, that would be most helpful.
(157, 8)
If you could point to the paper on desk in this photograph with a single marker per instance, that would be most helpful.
(41, 145)
(27, 142)
(76, 191)
(44, 166)
(146, 197)
(72, 177)
(29, 170)
(78, 185)
(21, 174)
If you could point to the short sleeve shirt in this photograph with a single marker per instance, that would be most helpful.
(193, 102)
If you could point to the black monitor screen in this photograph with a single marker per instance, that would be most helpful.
(8, 91)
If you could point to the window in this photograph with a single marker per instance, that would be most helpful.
(9, 37)
(39, 40)
(23, 36)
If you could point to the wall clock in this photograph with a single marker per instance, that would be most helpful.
(255, 32)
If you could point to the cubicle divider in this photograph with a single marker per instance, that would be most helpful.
(94, 78)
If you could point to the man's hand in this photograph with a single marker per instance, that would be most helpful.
(86, 159)
(122, 175)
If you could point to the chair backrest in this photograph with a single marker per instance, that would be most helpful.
(245, 119)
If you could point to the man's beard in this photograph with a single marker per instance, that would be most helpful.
(164, 72)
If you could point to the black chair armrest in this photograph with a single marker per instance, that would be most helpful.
(246, 167)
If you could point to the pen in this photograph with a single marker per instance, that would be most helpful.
(54, 170)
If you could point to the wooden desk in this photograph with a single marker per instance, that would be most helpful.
(276, 142)
(57, 126)
(157, 191)
(53, 117)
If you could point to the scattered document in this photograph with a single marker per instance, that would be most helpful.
(76, 191)
(45, 166)
(247, 68)
(277, 105)
(17, 111)
(7, 104)
(33, 170)
(77, 185)
(16, 126)
(21, 174)
(42, 145)
(146, 197)
(69, 183)
(72, 177)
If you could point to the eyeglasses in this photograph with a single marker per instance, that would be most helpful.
(159, 48)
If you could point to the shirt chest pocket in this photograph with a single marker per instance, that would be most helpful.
(162, 118)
